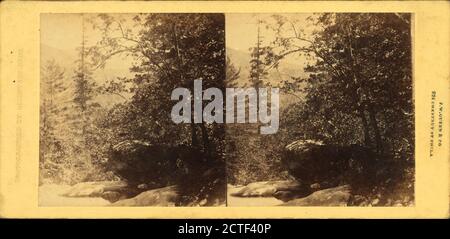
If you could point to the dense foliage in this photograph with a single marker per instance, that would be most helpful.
(359, 88)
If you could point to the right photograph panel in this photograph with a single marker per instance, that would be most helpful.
(333, 123)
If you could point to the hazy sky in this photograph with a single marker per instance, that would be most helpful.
(241, 31)
(241, 28)
(63, 34)
(62, 31)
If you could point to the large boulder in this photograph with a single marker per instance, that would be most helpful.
(338, 196)
(93, 189)
(314, 162)
(287, 195)
(140, 162)
(267, 188)
(161, 197)
(113, 196)
(200, 175)
(51, 195)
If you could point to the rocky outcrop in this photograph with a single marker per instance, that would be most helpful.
(161, 197)
(93, 189)
(113, 196)
(267, 188)
(337, 196)
(50, 195)
(287, 195)
(200, 175)
(141, 162)
(314, 162)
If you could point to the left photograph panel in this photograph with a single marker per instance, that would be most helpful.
(107, 137)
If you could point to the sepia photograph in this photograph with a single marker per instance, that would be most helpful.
(107, 135)
(346, 131)
(226, 109)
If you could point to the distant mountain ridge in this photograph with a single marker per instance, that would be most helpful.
(63, 58)
(286, 70)
(119, 67)
(67, 60)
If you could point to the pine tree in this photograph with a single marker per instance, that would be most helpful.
(248, 162)
(257, 67)
(84, 84)
(53, 108)
(81, 127)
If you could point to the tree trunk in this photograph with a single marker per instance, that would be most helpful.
(376, 129)
(205, 138)
(194, 140)
(362, 115)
